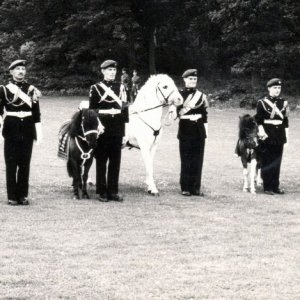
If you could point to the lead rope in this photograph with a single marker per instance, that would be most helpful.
(84, 155)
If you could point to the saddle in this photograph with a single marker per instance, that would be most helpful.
(64, 141)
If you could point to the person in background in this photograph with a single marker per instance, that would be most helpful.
(125, 80)
(273, 123)
(109, 98)
(136, 84)
(22, 125)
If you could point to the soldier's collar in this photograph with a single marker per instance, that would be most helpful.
(108, 81)
(189, 89)
(17, 82)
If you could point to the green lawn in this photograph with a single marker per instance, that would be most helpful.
(227, 245)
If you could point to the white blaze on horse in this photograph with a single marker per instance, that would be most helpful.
(144, 129)
(247, 149)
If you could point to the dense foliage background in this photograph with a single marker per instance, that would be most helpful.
(65, 41)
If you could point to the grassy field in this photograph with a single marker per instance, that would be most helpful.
(227, 245)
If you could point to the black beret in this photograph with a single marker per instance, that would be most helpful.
(18, 62)
(274, 81)
(109, 64)
(189, 72)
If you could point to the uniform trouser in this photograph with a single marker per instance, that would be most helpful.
(191, 155)
(271, 158)
(17, 154)
(108, 151)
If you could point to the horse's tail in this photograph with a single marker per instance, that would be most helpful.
(69, 168)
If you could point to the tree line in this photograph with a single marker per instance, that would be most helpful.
(66, 40)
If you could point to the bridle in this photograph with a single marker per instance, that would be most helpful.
(85, 133)
(163, 104)
(86, 155)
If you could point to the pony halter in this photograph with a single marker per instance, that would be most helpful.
(97, 131)
(166, 98)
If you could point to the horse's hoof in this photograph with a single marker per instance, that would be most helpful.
(85, 196)
(156, 194)
(245, 190)
(76, 197)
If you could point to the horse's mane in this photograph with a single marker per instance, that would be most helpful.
(247, 126)
(74, 124)
(147, 88)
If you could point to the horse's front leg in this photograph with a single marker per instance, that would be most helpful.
(245, 176)
(259, 180)
(253, 165)
(86, 167)
(76, 180)
(148, 161)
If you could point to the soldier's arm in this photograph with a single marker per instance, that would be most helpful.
(1, 105)
(36, 113)
(93, 98)
(286, 120)
(259, 118)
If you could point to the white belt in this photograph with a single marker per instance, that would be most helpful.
(194, 117)
(19, 114)
(273, 122)
(112, 111)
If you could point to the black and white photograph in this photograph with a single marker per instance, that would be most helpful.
(149, 149)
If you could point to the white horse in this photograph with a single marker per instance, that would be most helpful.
(144, 129)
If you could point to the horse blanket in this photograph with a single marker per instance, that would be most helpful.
(64, 141)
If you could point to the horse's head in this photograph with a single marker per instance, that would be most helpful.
(91, 126)
(248, 131)
(167, 91)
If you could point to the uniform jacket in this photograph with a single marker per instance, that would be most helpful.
(276, 133)
(192, 129)
(15, 127)
(114, 124)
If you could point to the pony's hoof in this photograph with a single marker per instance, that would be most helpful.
(85, 196)
(76, 197)
(245, 190)
(155, 194)
(253, 192)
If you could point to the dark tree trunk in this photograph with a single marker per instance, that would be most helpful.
(151, 50)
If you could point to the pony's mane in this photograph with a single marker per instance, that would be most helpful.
(247, 126)
(75, 123)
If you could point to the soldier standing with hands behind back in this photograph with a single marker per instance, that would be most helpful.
(22, 125)
(273, 124)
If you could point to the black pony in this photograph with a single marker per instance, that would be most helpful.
(247, 149)
(80, 135)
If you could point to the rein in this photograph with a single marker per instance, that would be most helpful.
(84, 155)
(151, 108)
(166, 99)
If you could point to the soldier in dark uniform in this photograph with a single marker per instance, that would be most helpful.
(273, 123)
(192, 134)
(22, 125)
(109, 98)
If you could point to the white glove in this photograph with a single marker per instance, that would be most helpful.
(287, 138)
(172, 112)
(39, 133)
(1, 127)
(206, 129)
(261, 133)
